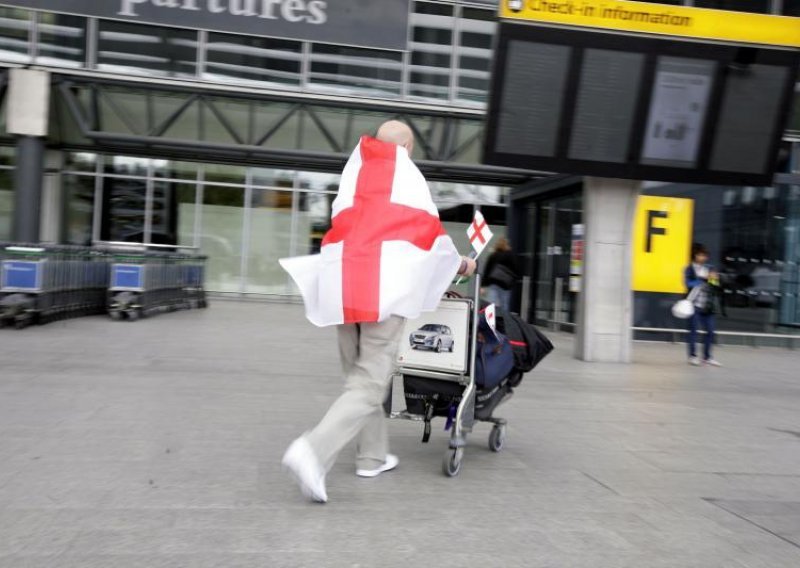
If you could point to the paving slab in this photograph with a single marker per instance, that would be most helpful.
(157, 443)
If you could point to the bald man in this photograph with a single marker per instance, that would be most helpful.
(368, 351)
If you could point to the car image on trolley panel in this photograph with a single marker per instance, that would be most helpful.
(433, 336)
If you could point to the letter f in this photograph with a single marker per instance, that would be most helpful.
(651, 230)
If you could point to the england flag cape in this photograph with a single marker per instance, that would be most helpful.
(386, 252)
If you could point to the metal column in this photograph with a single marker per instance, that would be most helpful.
(28, 177)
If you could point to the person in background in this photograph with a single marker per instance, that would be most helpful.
(702, 283)
(500, 274)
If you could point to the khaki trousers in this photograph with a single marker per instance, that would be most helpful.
(368, 353)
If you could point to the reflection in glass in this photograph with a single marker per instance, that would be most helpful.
(15, 25)
(431, 48)
(252, 59)
(81, 162)
(270, 239)
(79, 194)
(220, 238)
(123, 209)
(62, 40)
(223, 173)
(314, 220)
(149, 50)
(318, 181)
(187, 213)
(476, 33)
(352, 70)
(163, 216)
(170, 169)
(268, 177)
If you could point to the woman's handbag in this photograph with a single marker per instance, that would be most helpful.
(684, 309)
(503, 276)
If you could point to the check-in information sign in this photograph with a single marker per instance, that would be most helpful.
(370, 23)
(662, 237)
(645, 17)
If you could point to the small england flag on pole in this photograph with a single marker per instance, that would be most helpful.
(479, 233)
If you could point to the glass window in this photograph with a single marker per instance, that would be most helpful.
(268, 177)
(449, 192)
(6, 203)
(127, 165)
(146, 50)
(15, 26)
(791, 8)
(270, 239)
(80, 162)
(476, 33)
(187, 213)
(226, 121)
(760, 6)
(180, 121)
(313, 221)
(79, 194)
(352, 70)
(171, 169)
(431, 47)
(124, 209)
(62, 40)
(318, 181)
(223, 173)
(252, 59)
(163, 214)
(220, 238)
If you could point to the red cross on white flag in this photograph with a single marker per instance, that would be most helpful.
(491, 318)
(479, 233)
(386, 253)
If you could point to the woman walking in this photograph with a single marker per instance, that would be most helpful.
(501, 274)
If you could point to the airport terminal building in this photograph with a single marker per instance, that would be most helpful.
(223, 125)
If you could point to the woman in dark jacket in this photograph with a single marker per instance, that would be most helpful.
(500, 274)
(702, 282)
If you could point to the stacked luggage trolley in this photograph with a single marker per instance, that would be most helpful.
(145, 283)
(44, 283)
(439, 366)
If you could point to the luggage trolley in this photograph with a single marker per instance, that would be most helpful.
(442, 346)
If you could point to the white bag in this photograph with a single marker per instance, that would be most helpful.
(684, 309)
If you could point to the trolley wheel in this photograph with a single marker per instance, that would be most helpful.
(115, 315)
(497, 437)
(133, 315)
(439, 347)
(451, 464)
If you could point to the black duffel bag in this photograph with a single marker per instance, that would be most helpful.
(529, 344)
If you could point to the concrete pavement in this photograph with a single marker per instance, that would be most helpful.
(157, 444)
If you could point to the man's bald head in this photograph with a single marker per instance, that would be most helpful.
(398, 133)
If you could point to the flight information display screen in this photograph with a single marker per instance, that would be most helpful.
(593, 103)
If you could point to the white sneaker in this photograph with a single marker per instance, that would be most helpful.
(694, 361)
(390, 463)
(712, 363)
(301, 461)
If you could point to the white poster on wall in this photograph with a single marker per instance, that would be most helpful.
(677, 111)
